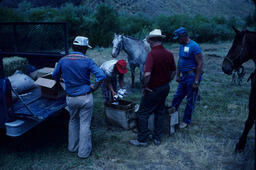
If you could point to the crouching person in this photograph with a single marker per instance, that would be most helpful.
(112, 69)
(75, 69)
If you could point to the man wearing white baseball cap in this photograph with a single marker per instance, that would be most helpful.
(75, 69)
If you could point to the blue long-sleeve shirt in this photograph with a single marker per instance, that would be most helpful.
(75, 70)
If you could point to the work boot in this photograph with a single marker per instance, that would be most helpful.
(138, 143)
(183, 125)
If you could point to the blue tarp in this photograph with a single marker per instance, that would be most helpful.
(6, 111)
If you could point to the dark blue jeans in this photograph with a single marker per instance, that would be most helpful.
(107, 95)
(152, 102)
(185, 88)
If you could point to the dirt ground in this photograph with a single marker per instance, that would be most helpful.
(208, 143)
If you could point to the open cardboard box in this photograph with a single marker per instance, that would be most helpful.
(50, 88)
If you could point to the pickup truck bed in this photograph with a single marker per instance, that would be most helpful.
(41, 107)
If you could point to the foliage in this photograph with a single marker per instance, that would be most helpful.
(251, 20)
(104, 25)
(135, 25)
(101, 24)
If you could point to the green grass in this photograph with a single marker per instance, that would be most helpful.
(208, 143)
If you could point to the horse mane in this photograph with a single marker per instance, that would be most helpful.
(127, 36)
(251, 32)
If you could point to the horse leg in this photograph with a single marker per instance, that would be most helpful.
(250, 120)
(141, 73)
(132, 67)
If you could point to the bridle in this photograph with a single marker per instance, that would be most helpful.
(231, 61)
(119, 45)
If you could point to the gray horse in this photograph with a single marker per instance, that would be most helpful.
(137, 51)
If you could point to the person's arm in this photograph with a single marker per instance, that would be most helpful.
(110, 87)
(121, 80)
(199, 68)
(178, 73)
(173, 68)
(56, 74)
(147, 74)
(173, 73)
(99, 75)
(146, 79)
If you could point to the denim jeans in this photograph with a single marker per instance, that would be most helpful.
(152, 102)
(79, 132)
(107, 95)
(185, 88)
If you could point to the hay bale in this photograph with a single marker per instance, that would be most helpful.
(11, 64)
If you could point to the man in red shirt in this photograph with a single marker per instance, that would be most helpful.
(159, 70)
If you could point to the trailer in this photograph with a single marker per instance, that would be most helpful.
(43, 44)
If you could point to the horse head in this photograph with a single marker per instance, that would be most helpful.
(117, 45)
(237, 54)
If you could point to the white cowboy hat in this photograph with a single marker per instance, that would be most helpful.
(81, 41)
(155, 33)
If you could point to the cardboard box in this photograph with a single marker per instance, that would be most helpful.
(169, 123)
(41, 72)
(50, 88)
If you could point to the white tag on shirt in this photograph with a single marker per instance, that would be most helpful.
(186, 49)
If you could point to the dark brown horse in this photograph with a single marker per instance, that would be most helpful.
(242, 50)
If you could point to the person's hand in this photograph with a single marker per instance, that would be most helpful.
(178, 79)
(195, 86)
(114, 93)
(143, 91)
(92, 88)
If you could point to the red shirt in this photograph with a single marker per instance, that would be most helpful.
(160, 62)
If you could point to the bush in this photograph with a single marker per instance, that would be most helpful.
(104, 26)
(137, 26)
(100, 25)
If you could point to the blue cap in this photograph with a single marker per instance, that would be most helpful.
(179, 32)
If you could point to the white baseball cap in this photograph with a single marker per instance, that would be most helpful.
(81, 41)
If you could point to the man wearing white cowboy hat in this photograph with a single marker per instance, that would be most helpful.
(75, 69)
(159, 71)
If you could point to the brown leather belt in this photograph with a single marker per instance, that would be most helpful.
(79, 94)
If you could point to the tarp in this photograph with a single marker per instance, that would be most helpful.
(6, 111)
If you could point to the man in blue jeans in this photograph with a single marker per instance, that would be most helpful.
(159, 71)
(189, 72)
(76, 69)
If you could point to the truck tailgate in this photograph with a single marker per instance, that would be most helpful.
(41, 107)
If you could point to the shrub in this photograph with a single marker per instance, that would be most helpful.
(103, 26)
(10, 15)
(137, 25)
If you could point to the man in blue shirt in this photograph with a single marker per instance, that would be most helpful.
(75, 69)
(189, 72)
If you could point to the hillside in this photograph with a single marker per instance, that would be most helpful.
(228, 8)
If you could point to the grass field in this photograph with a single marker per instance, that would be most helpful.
(208, 143)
